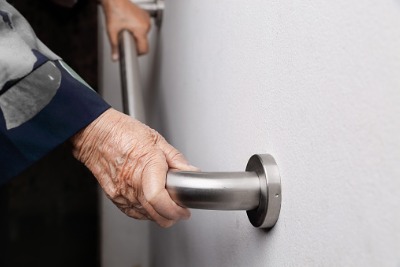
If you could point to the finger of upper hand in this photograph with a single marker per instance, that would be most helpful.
(142, 44)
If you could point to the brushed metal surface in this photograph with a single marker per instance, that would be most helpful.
(257, 190)
(132, 94)
(214, 190)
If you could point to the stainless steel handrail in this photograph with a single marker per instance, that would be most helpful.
(215, 190)
(256, 190)
(132, 94)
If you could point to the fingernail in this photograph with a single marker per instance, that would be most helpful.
(114, 57)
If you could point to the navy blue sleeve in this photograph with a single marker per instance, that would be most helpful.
(43, 102)
(26, 139)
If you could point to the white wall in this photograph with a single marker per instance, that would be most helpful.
(314, 83)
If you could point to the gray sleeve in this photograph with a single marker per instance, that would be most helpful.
(16, 44)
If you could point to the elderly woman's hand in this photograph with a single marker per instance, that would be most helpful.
(124, 15)
(130, 161)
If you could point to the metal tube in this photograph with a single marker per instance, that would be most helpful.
(132, 94)
(215, 190)
(257, 190)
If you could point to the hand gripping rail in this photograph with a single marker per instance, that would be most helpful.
(256, 190)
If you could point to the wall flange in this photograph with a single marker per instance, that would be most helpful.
(267, 213)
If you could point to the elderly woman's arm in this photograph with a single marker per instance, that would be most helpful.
(44, 103)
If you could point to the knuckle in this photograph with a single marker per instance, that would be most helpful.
(155, 136)
(112, 193)
(133, 213)
(145, 26)
(114, 190)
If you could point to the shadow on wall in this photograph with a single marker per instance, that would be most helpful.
(49, 214)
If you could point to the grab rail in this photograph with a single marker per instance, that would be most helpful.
(256, 190)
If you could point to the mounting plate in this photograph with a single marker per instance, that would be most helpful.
(267, 213)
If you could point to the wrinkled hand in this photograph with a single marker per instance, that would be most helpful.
(130, 162)
(124, 15)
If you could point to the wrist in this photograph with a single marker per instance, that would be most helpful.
(93, 135)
